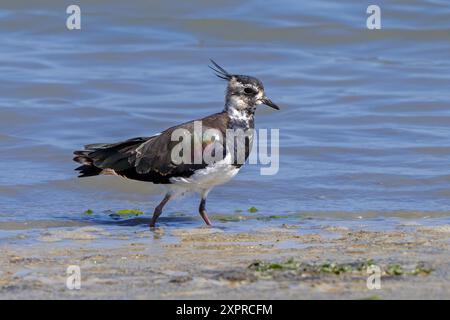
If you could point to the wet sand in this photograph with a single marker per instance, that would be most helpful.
(207, 263)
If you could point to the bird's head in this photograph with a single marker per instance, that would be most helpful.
(243, 93)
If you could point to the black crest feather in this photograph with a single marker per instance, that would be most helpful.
(219, 71)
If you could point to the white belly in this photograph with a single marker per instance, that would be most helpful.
(205, 179)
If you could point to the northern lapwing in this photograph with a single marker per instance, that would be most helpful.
(151, 158)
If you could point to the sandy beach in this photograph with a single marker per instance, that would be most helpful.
(279, 262)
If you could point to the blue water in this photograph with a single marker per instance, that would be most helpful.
(364, 125)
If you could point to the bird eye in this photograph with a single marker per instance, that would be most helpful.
(249, 91)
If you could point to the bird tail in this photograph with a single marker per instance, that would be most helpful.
(107, 158)
(87, 168)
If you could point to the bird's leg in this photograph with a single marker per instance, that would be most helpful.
(202, 211)
(158, 210)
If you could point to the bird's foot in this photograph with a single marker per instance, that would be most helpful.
(153, 223)
(204, 215)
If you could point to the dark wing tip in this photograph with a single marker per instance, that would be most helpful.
(219, 71)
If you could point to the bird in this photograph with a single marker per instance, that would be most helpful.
(151, 158)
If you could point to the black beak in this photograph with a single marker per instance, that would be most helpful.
(269, 103)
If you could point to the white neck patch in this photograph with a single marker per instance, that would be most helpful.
(239, 114)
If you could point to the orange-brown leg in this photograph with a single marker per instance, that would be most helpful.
(158, 210)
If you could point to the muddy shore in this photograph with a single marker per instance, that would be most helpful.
(207, 263)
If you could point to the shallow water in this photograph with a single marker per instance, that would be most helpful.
(364, 124)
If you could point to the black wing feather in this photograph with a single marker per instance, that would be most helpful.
(144, 158)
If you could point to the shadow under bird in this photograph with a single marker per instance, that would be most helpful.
(150, 158)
